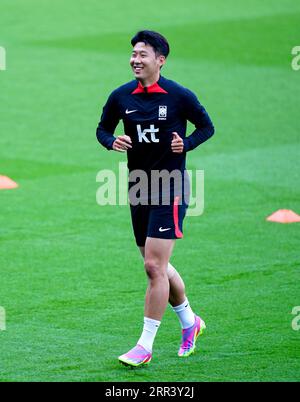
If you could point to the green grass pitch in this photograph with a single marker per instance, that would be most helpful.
(71, 279)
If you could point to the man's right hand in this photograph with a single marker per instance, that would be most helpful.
(122, 143)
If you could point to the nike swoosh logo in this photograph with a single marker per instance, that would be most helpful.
(130, 111)
(163, 230)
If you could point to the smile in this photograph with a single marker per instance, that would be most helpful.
(137, 69)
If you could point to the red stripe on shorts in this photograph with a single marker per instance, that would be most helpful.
(178, 232)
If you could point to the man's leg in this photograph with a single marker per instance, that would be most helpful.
(192, 325)
(177, 288)
(157, 255)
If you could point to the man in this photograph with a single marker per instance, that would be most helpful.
(155, 112)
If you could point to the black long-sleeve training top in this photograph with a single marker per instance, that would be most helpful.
(150, 115)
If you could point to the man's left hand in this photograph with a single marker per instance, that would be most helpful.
(177, 144)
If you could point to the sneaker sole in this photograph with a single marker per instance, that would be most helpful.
(131, 364)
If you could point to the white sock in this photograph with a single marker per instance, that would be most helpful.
(185, 314)
(149, 332)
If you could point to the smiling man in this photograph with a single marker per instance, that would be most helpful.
(155, 112)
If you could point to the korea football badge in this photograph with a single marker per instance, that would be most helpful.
(162, 113)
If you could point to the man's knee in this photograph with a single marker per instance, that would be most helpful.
(171, 271)
(154, 268)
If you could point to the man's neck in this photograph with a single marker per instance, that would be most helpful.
(150, 81)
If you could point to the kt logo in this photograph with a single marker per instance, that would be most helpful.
(143, 134)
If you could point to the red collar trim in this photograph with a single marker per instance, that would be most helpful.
(155, 88)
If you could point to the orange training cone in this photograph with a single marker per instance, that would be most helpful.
(7, 184)
(284, 216)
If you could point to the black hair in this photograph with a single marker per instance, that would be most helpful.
(154, 39)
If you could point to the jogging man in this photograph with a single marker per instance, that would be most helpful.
(155, 112)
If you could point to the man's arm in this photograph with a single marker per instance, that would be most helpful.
(108, 123)
(196, 114)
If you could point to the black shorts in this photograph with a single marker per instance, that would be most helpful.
(158, 221)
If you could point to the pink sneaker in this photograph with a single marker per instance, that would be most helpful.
(189, 337)
(138, 356)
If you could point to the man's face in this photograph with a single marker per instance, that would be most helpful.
(144, 62)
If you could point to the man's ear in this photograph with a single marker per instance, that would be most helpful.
(162, 60)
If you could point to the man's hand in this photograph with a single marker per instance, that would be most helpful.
(122, 143)
(177, 144)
